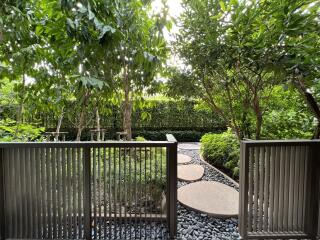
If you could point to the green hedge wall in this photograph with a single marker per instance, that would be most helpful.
(153, 120)
(158, 115)
(176, 115)
(153, 135)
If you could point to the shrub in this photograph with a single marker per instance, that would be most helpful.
(10, 131)
(140, 139)
(222, 150)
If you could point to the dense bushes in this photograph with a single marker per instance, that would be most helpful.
(11, 131)
(222, 150)
(288, 117)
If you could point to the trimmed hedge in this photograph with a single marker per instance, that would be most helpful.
(153, 116)
(159, 135)
(181, 136)
(223, 151)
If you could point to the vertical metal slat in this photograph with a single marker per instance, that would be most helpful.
(87, 193)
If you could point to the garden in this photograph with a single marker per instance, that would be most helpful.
(214, 72)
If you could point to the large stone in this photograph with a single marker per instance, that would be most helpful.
(212, 198)
(183, 159)
(190, 172)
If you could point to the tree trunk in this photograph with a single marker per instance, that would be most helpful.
(82, 116)
(20, 117)
(316, 132)
(310, 101)
(98, 124)
(127, 112)
(258, 113)
(80, 125)
(127, 106)
(258, 124)
(245, 126)
(1, 36)
(59, 125)
(236, 128)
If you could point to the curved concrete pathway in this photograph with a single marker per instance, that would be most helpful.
(213, 198)
(190, 172)
(183, 159)
(210, 197)
(198, 225)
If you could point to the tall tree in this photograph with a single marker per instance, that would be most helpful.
(239, 51)
(142, 50)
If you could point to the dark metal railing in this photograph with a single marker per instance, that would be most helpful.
(88, 190)
(279, 190)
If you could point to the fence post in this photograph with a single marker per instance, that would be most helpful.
(244, 182)
(87, 192)
(172, 155)
(315, 191)
(2, 197)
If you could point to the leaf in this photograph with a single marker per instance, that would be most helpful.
(106, 29)
(82, 9)
(234, 2)
(218, 16)
(93, 82)
(91, 15)
(149, 56)
(38, 30)
(146, 116)
(98, 24)
(70, 23)
(223, 6)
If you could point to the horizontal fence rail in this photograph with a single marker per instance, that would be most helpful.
(86, 190)
(279, 190)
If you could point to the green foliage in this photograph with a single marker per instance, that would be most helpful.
(176, 115)
(140, 139)
(237, 52)
(152, 115)
(160, 135)
(10, 131)
(288, 117)
(222, 150)
(87, 52)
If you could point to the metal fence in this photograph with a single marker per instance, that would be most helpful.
(279, 190)
(88, 190)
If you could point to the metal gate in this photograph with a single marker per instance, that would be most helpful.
(80, 190)
(279, 189)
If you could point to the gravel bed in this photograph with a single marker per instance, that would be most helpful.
(194, 225)
(154, 231)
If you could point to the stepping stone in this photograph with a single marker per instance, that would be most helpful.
(213, 198)
(190, 172)
(189, 146)
(183, 159)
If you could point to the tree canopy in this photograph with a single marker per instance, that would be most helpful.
(81, 51)
(239, 51)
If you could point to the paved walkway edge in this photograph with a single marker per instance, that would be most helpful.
(225, 175)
